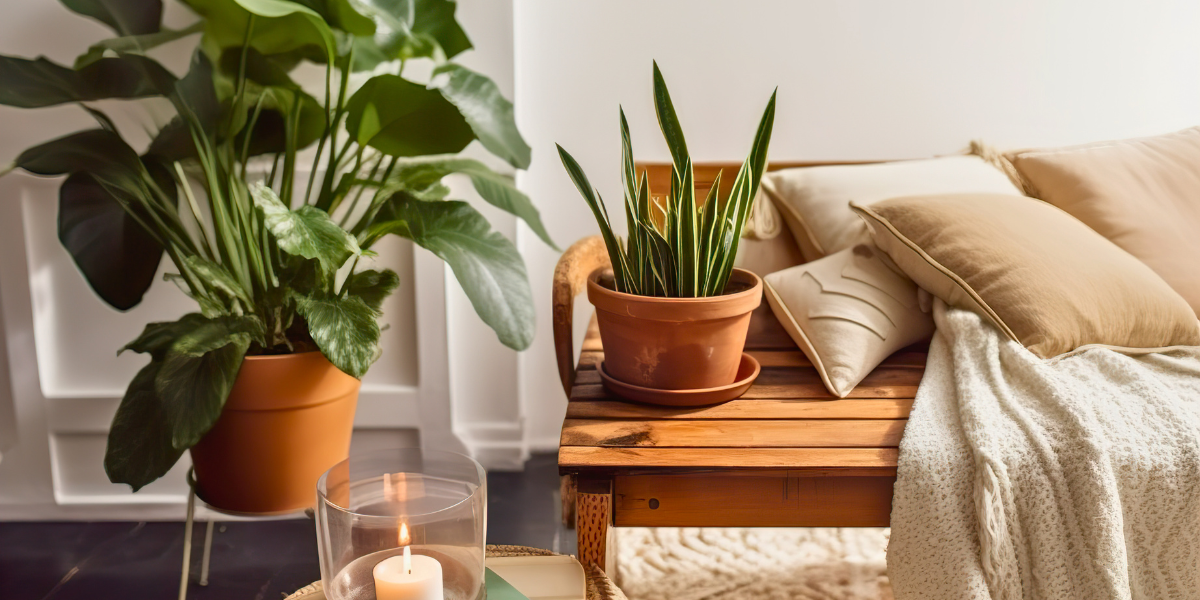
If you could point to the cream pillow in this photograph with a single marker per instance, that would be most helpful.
(1142, 194)
(847, 312)
(1042, 277)
(815, 201)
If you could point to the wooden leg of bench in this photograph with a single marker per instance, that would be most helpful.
(566, 489)
(593, 517)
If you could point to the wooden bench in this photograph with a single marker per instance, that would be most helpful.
(786, 454)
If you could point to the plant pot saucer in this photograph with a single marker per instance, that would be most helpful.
(747, 372)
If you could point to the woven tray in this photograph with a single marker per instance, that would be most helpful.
(598, 585)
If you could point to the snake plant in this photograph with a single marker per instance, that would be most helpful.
(676, 248)
(270, 250)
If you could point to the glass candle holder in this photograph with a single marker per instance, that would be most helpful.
(372, 507)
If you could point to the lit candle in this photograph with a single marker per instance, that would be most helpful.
(408, 577)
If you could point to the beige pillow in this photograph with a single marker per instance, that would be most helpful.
(1142, 194)
(847, 312)
(1042, 277)
(815, 201)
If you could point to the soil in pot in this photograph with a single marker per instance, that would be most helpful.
(674, 343)
(288, 419)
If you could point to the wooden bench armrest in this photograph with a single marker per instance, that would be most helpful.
(570, 280)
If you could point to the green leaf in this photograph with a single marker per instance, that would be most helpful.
(139, 442)
(344, 328)
(620, 269)
(307, 231)
(218, 279)
(157, 337)
(489, 113)
(407, 29)
(372, 287)
(117, 256)
(39, 82)
(400, 118)
(342, 16)
(668, 121)
(280, 26)
(134, 44)
(193, 387)
(126, 17)
(486, 264)
(419, 174)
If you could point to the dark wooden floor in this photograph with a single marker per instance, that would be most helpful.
(250, 560)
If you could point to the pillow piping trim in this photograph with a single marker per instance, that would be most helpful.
(807, 346)
(963, 285)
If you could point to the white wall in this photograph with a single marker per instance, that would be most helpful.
(858, 79)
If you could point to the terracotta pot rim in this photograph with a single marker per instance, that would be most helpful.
(755, 281)
(676, 310)
(258, 357)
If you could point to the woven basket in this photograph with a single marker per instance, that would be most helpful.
(598, 585)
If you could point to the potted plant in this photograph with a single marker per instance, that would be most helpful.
(261, 383)
(673, 312)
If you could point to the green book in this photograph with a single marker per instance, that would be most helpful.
(499, 589)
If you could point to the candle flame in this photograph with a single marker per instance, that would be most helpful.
(403, 537)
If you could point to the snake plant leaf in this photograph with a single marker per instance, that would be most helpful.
(486, 263)
(39, 82)
(668, 121)
(139, 447)
(372, 287)
(620, 270)
(116, 255)
(344, 328)
(134, 44)
(401, 118)
(419, 174)
(489, 113)
(126, 17)
(407, 29)
(279, 26)
(307, 231)
(193, 385)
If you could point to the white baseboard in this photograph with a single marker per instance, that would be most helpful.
(497, 446)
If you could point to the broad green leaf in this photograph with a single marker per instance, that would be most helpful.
(400, 118)
(422, 173)
(97, 151)
(126, 17)
(117, 256)
(193, 387)
(218, 279)
(38, 83)
(372, 286)
(407, 29)
(139, 442)
(157, 337)
(344, 328)
(279, 26)
(341, 15)
(668, 121)
(486, 264)
(195, 95)
(489, 113)
(134, 44)
(307, 231)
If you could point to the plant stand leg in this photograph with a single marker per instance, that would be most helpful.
(187, 543)
(593, 518)
(204, 558)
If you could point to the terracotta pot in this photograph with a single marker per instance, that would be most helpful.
(288, 419)
(674, 343)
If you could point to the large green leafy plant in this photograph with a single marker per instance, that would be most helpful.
(268, 248)
(676, 248)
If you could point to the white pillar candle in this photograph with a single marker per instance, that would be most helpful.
(408, 577)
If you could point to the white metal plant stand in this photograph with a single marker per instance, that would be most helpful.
(205, 557)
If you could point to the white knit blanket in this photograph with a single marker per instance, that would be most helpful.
(1025, 478)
